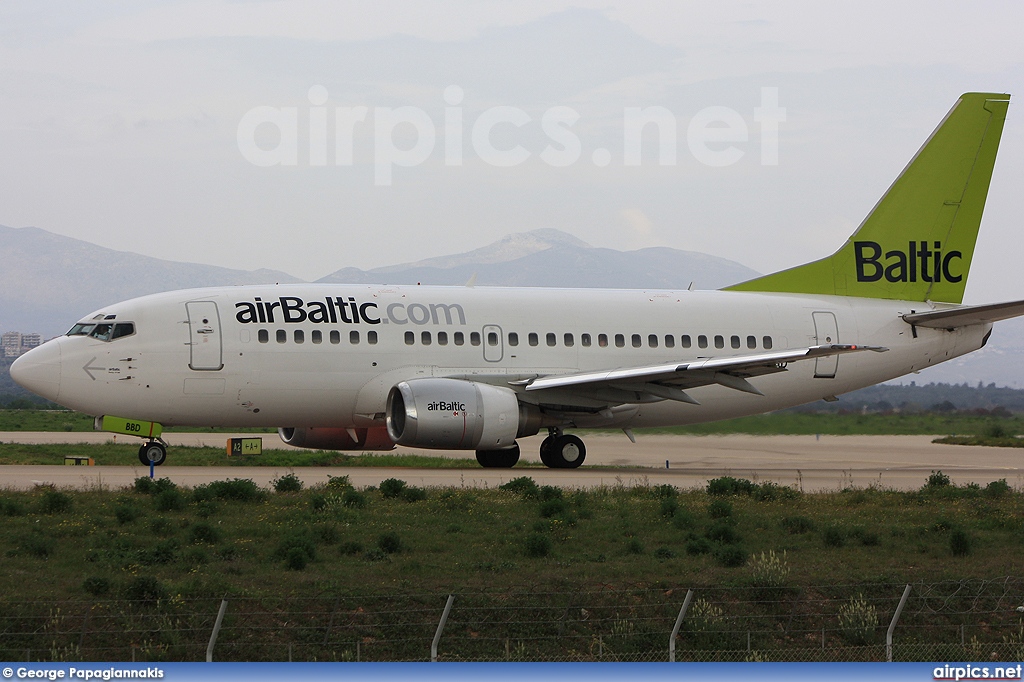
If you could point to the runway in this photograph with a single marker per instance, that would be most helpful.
(809, 463)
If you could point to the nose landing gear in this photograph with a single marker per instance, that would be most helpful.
(152, 452)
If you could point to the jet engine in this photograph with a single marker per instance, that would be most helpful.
(458, 415)
(375, 438)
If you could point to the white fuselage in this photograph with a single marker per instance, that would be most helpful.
(327, 355)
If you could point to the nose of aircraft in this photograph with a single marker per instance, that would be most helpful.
(39, 370)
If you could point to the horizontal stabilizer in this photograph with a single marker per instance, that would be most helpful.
(951, 318)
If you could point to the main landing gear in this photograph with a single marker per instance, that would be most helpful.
(152, 452)
(561, 451)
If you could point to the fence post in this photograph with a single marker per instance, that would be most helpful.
(216, 630)
(440, 628)
(892, 625)
(675, 630)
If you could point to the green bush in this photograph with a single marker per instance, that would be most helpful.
(161, 526)
(126, 513)
(203, 533)
(538, 545)
(770, 492)
(683, 519)
(719, 509)
(549, 492)
(389, 543)
(960, 543)
(145, 485)
(997, 488)
(350, 548)
(833, 536)
(414, 494)
(797, 525)
(552, 507)
(12, 508)
(297, 541)
(722, 532)
(36, 545)
(237, 489)
(170, 499)
(727, 485)
(731, 556)
(664, 553)
(524, 486)
(634, 546)
(696, 546)
(664, 491)
(295, 559)
(145, 589)
(391, 488)
(669, 506)
(55, 502)
(289, 483)
(937, 479)
(353, 499)
(96, 585)
(338, 482)
(326, 533)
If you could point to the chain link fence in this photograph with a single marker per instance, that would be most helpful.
(946, 621)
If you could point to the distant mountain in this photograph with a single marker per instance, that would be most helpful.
(49, 280)
(551, 258)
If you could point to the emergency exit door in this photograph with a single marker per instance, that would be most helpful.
(204, 336)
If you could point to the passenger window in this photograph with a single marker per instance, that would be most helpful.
(316, 336)
(300, 336)
(123, 329)
(410, 338)
(371, 338)
(282, 336)
(335, 337)
(353, 337)
(735, 341)
(513, 339)
(263, 336)
(585, 340)
(425, 338)
(460, 338)
(551, 339)
(751, 342)
(620, 340)
(636, 341)
(652, 340)
(602, 340)
(719, 341)
(442, 338)
(684, 340)
(492, 338)
(702, 341)
(569, 341)
(533, 339)
(670, 341)
(474, 338)
(767, 342)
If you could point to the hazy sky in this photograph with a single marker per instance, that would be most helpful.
(121, 123)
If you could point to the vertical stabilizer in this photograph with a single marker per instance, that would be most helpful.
(918, 241)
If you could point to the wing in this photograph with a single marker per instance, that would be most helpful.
(962, 316)
(669, 381)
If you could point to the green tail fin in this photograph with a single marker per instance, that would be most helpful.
(918, 240)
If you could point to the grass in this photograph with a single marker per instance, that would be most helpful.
(164, 544)
(128, 455)
(775, 423)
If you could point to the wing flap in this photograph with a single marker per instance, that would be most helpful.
(726, 371)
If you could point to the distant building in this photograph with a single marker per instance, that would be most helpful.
(14, 344)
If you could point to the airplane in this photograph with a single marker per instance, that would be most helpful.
(361, 367)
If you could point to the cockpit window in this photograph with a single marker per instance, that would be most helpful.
(81, 329)
(123, 329)
(104, 331)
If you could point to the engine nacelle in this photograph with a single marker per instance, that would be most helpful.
(375, 438)
(457, 415)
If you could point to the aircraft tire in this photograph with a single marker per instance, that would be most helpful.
(567, 452)
(498, 459)
(152, 452)
(545, 452)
